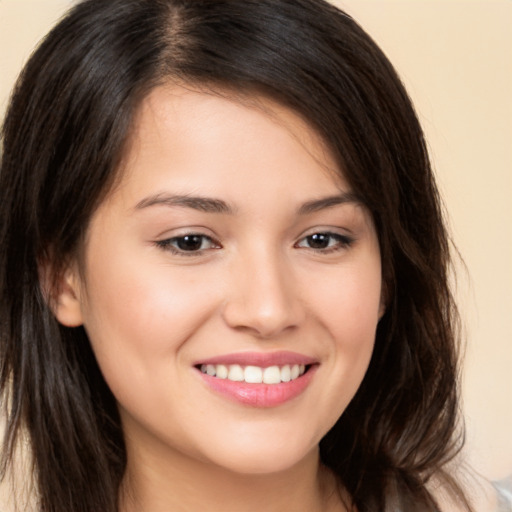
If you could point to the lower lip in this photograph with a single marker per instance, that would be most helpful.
(260, 395)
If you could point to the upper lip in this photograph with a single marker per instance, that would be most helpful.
(261, 359)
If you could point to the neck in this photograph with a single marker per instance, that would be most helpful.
(161, 484)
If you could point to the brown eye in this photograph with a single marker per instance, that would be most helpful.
(190, 243)
(319, 240)
(325, 242)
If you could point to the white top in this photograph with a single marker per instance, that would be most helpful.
(504, 490)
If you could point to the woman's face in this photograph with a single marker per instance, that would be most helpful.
(231, 246)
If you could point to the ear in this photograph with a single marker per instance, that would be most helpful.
(63, 295)
(382, 308)
(384, 300)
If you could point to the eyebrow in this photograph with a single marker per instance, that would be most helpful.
(203, 204)
(328, 202)
(212, 205)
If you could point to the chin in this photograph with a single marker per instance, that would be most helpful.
(259, 466)
(264, 456)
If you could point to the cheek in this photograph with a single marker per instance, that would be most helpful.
(138, 313)
(350, 309)
(138, 320)
(350, 314)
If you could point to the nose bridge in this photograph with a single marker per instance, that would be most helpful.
(263, 293)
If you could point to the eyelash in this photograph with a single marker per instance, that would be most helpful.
(341, 242)
(172, 244)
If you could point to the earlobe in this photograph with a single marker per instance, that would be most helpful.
(64, 297)
(384, 300)
(382, 309)
(68, 307)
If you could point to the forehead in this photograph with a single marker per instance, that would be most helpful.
(189, 118)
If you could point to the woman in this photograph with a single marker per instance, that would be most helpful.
(224, 282)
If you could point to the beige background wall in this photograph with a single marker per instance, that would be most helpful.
(455, 57)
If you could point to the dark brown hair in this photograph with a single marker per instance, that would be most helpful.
(63, 138)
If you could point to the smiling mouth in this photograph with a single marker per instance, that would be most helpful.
(255, 374)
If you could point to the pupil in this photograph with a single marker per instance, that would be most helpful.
(318, 241)
(190, 242)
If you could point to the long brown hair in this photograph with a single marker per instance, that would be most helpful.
(63, 138)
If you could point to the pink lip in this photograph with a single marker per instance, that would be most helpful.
(260, 395)
(261, 359)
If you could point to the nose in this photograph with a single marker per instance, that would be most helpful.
(263, 297)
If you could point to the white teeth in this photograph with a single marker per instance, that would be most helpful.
(236, 373)
(272, 375)
(222, 371)
(286, 373)
(254, 374)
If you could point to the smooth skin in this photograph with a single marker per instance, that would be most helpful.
(231, 230)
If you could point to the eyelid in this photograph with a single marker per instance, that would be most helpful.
(166, 244)
(344, 241)
(340, 231)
